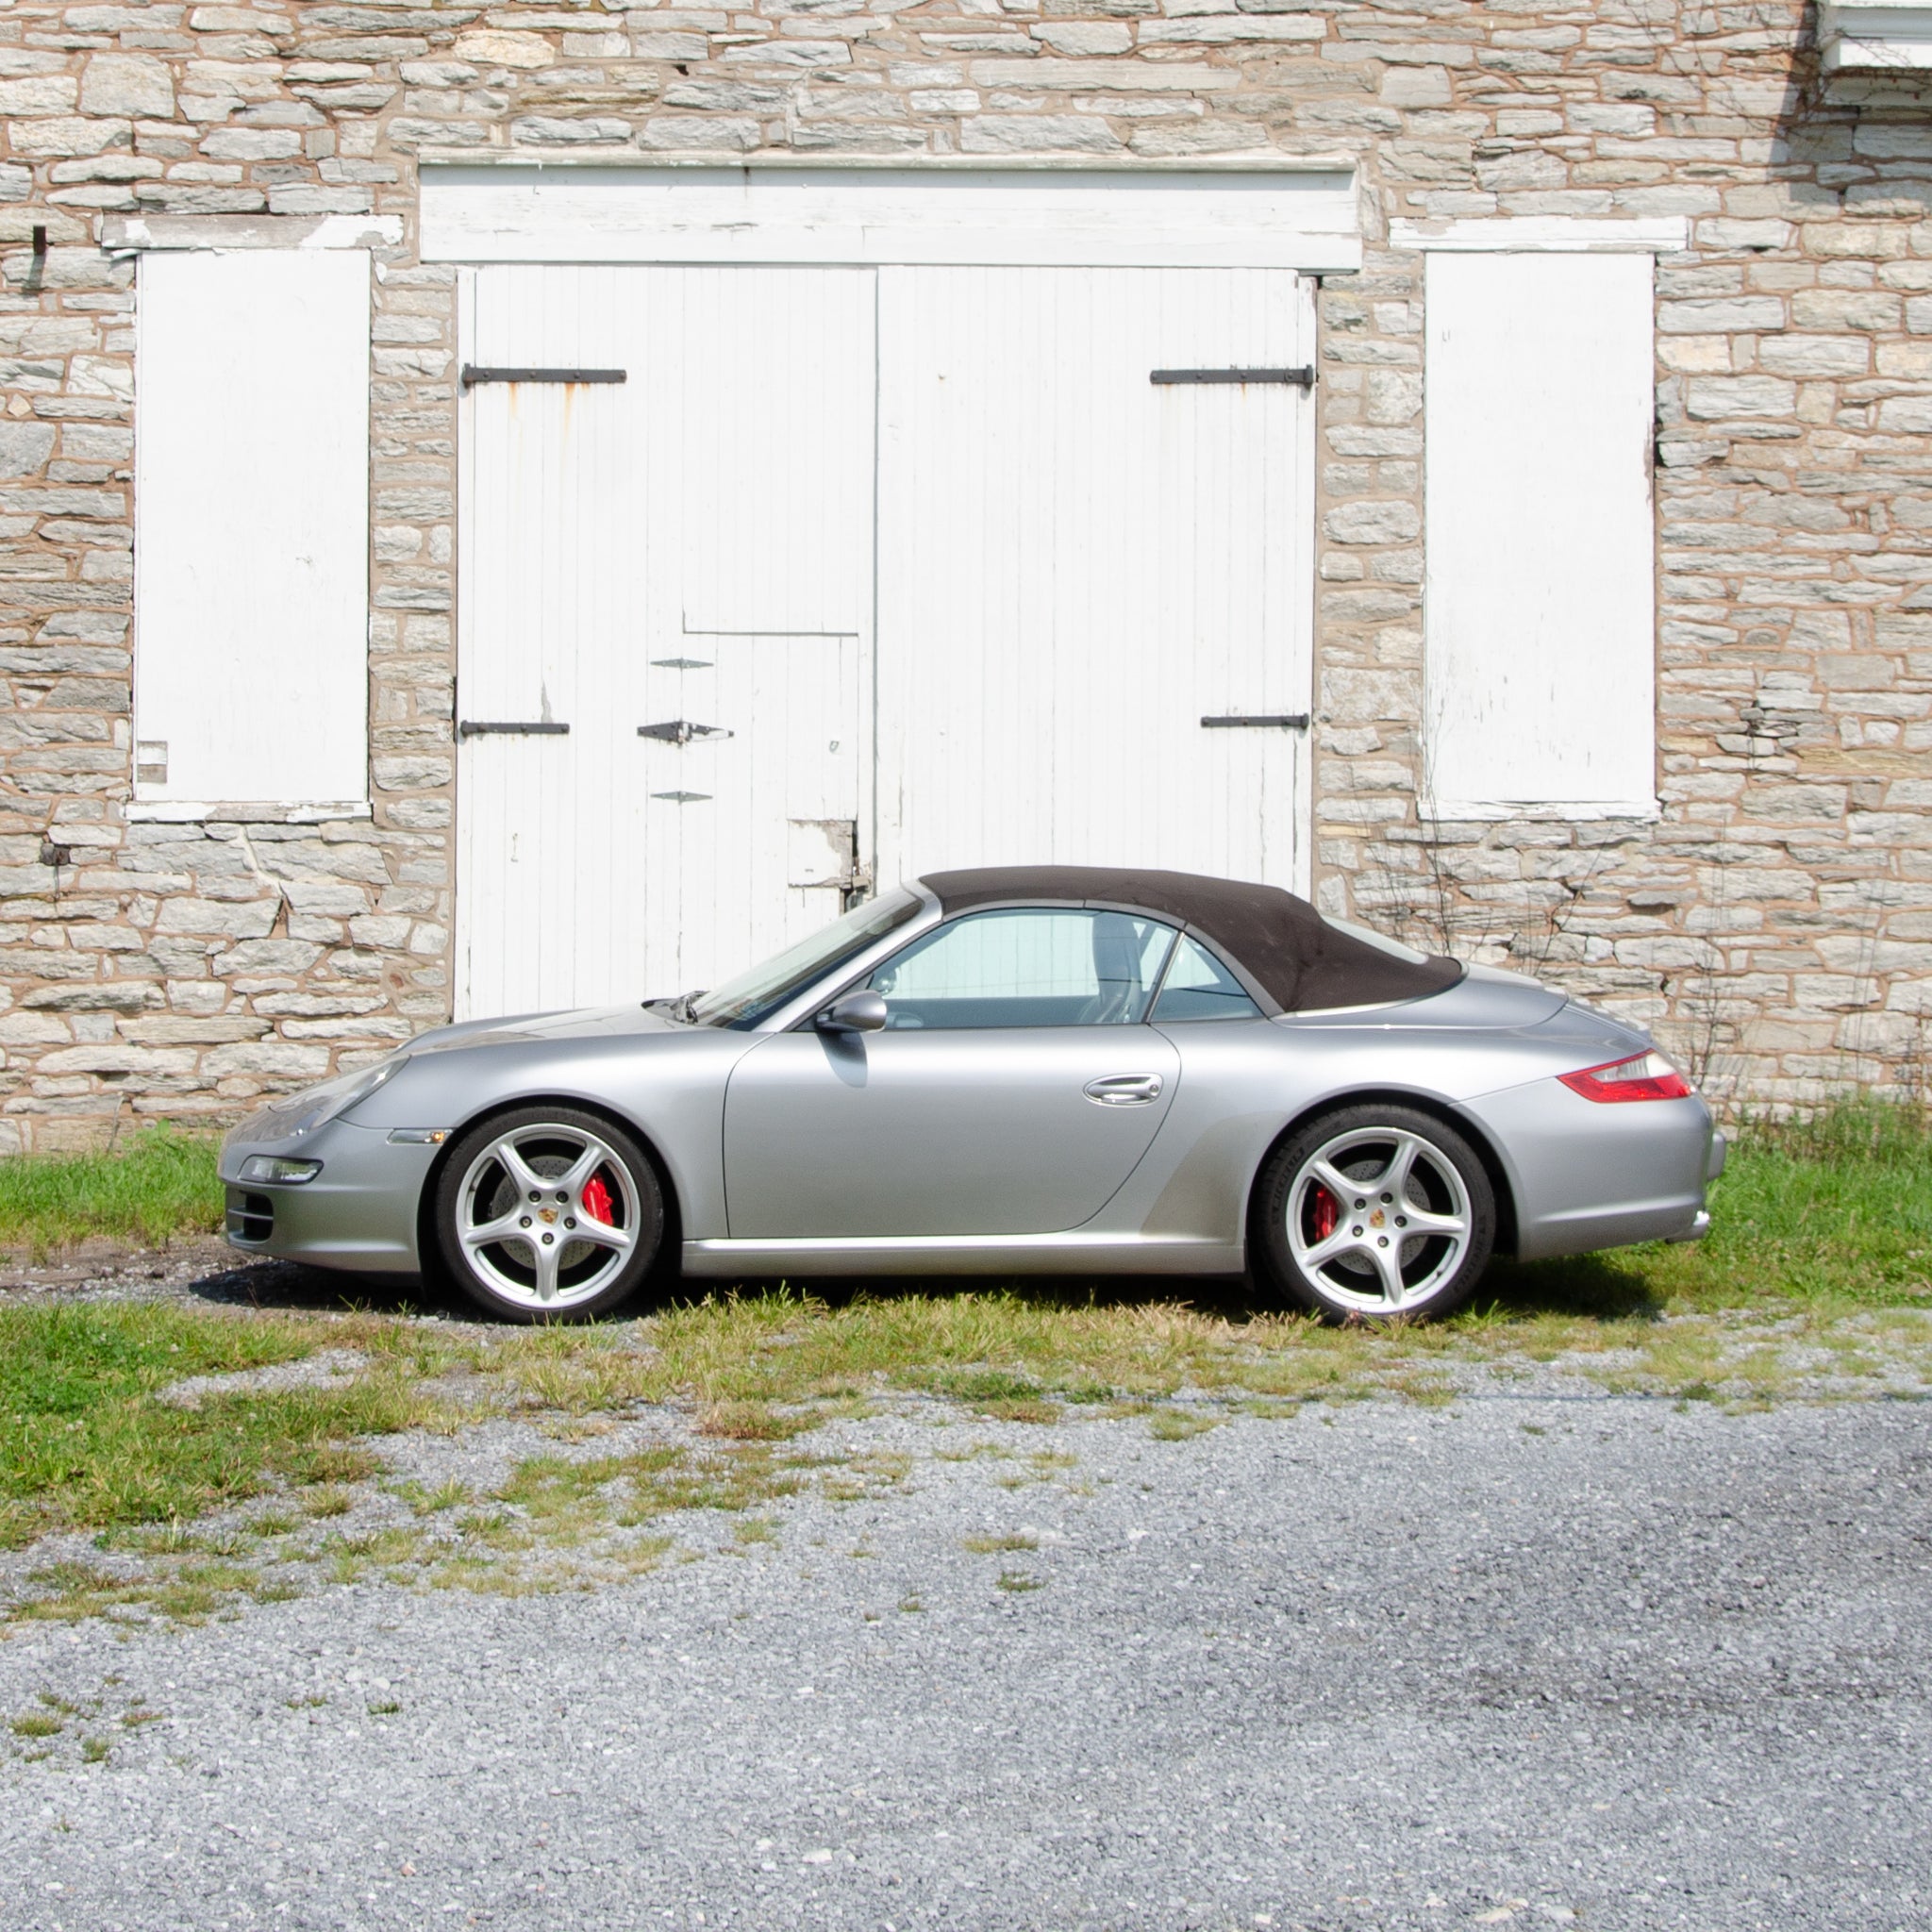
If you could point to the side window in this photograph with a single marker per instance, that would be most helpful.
(1027, 969)
(1199, 987)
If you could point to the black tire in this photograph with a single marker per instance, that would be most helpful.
(1362, 1251)
(544, 1238)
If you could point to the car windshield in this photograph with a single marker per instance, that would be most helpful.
(747, 1000)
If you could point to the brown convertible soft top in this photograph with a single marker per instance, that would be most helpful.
(1282, 944)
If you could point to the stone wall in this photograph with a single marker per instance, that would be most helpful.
(1776, 926)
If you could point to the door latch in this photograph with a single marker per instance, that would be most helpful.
(1124, 1089)
(682, 731)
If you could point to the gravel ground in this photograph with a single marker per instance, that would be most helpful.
(1548, 1656)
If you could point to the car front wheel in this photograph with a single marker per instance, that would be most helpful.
(548, 1214)
(1373, 1211)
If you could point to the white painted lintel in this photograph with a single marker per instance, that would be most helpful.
(1492, 812)
(173, 811)
(791, 160)
(1875, 38)
(1240, 215)
(140, 234)
(1544, 235)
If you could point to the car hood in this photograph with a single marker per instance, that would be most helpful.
(522, 1029)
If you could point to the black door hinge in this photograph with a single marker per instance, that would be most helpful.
(477, 728)
(473, 374)
(1294, 378)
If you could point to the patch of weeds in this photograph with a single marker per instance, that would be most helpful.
(561, 1492)
(1269, 1409)
(994, 1545)
(1178, 1424)
(37, 1724)
(865, 1475)
(389, 1707)
(94, 1749)
(349, 1559)
(642, 1553)
(326, 1499)
(1042, 1466)
(272, 1523)
(911, 1606)
(313, 1701)
(452, 1494)
(753, 1421)
(757, 1529)
(995, 1392)
(733, 1480)
(1083, 1392)
(1021, 1411)
(1017, 1582)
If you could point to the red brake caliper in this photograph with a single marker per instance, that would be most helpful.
(598, 1205)
(1327, 1212)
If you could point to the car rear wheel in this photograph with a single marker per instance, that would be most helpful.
(548, 1214)
(1372, 1212)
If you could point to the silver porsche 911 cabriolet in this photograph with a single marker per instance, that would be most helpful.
(1044, 1069)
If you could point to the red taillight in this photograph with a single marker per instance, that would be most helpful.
(1644, 1076)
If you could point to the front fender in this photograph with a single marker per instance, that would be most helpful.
(667, 1087)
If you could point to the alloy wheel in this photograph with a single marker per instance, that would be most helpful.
(548, 1216)
(1379, 1219)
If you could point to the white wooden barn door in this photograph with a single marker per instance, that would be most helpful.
(1078, 565)
(663, 682)
(1075, 566)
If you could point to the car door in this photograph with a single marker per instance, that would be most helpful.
(1012, 1091)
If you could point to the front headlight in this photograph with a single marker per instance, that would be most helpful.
(272, 1167)
(320, 1105)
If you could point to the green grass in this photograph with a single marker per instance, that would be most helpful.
(156, 1187)
(84, 1442)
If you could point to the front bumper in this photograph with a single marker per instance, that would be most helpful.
(358, 1213)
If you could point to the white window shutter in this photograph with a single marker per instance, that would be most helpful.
(252, 527)
(1541, 662)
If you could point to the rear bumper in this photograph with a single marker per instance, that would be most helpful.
(358, 1213)
(1586, 1175)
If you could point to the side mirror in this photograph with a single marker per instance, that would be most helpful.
(857, 1012)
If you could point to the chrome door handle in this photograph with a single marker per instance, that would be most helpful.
(1124, 1089)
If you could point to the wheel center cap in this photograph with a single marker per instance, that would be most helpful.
(546, 1215)
(1376, 1220)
